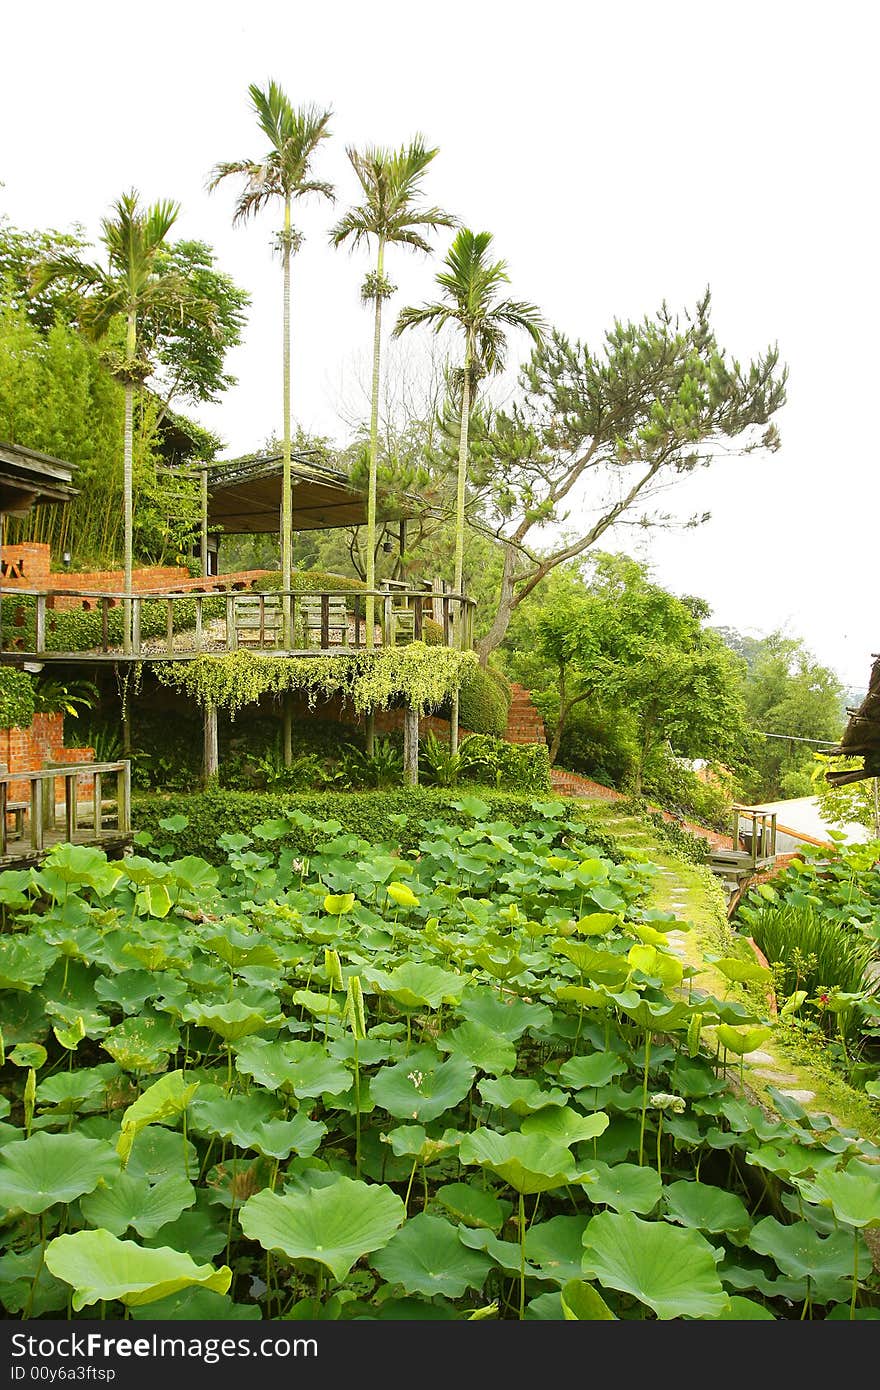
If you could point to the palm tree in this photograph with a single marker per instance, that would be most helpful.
(294, 134)
(390, 180)
(470, 284)
(131, 287)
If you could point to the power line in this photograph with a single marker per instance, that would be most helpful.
(795, 738)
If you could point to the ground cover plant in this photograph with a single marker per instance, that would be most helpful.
(818, 923)
(469, 1081)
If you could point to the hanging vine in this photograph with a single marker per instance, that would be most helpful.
(421, 676)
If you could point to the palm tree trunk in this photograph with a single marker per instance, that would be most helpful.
(459, 529)
(127, 487)
(286, 501)
(374, 451)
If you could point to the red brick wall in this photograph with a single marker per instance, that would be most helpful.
(28, 567)
(27, 750)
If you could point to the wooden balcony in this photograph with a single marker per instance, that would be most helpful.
(94, 809)
(35, 625)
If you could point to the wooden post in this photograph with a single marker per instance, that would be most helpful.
(96, 795)
(410, 747)
(287, 729)
(212, 753)
(231, 633)
(123, 798)
(40, 635)
(70, 807)
(203, 548)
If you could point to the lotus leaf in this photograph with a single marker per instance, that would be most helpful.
(746, 1310)
(420, 1087)
(670, 1269)
(508, 1018)
(304, 1068)
(143, 1043)
(426, 1256)
(402, 895)
(480, 1047)
(23, 964)
(36, 1173)
(582, 1303)
(566, 1124)
(625, 1186)
(595, 1070)
(520, 1094)
(707, 1208)
(334, 1226)
(853, 1193)
(528, 1162)
(131, 1201)
(800, 1252)
(415, 985)
(473, 1206)
(100, 1267)
(741, 1041)
(556, 1247)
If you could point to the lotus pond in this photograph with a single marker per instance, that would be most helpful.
(472, 1082)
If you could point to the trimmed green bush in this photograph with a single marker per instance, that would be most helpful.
(484, 702)
(16, 699)
(397, 817)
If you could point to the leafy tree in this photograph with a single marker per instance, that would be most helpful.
(190, 362)
(597, 434)
(631, 644)
(129, 289)
(282, 174)
(391, 181)
(793, 704)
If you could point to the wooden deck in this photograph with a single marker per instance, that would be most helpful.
(181, 626)
(86, 814)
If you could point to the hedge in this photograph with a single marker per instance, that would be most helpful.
(388, 817)
(16, 699)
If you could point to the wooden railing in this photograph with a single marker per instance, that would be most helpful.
(158, 626)
(758, 835)
(40, 810)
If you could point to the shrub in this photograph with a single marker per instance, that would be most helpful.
(817, 955)
(596, 744)
(511, 767)
(677, 788)
(484, 701)
(16, 699)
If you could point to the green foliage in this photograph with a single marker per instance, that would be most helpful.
(58, 396)
(670, 783)
(422, 677)
(399, 816)
(684, 843)
(295, 1035)
(786, 691)
(16, 699)
(483, 701)
(817, 956)
(853, 803)
(70, 696)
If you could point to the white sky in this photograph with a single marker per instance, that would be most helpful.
(620, 154)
